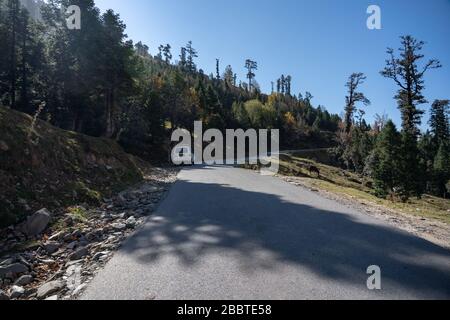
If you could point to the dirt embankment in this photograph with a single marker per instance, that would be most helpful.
(43, 166)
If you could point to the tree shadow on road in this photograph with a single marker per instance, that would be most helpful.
(267, 232)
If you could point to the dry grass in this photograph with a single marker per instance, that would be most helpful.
(355, 187)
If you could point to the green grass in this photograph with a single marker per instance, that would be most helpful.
(356, 187)
(79, 214)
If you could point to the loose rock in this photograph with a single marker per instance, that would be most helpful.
(98, 255)
(16, 292)
(79, 289)
(119, 226)
(51, 246)
(131, 222)
(37, 223)
(49, 288)
(80, 253)
(15, 268)
(61, 259)
(24, 280)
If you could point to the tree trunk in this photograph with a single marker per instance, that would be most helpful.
(13, 76)
(110, 106)
(24, 89)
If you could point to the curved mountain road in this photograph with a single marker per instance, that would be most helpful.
(228, 233)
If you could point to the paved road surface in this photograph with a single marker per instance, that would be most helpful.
(227, 233)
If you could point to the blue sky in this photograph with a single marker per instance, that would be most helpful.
(319, 42)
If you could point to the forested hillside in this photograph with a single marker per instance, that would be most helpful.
(43, 166)
(97, 82)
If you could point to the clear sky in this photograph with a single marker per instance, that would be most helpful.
(319, 42)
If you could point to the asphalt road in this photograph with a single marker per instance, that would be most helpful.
(227, 233)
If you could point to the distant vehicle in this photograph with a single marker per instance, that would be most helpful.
(182, 156)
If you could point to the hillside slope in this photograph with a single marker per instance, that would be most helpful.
(41, 165)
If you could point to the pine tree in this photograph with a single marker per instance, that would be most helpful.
(442, 168)
(25, 39)
(406, 73)
(251, 66)
(217, 69)
(166, 53)
(183, 59)
(11, 47)
(386, 164)
(439, 121)
(283, 84)
(141, 49)
(427, 153)
(353, 97)
(191, 55)
(404, 70)
(160, 52)
(288, 85)
(228, 76)
(411, 170)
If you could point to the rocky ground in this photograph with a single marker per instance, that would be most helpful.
(429, 229)
(54, 255)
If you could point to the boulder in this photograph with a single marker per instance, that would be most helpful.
(15, 268)
(37, 223)
(119, 226)
(51, 246)
(49, 288)
(71, 245)
(80, 253)
(7, 262)
(16, 292)
(131, 222)
(98, 255)
(24, 280)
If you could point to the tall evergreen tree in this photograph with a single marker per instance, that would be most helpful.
(283, 84)
(386, 166)
(409, 77)
(442, 168)
(160, 52)
(439, 121)
(11, 47)
(288, 85)
(251, 66)
(353, 98)
(183, 58)
(217, 69)
(191, 55)
(228, 76)
(166, 53)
